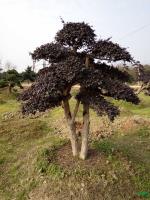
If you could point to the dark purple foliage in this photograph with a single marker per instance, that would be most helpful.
(76, 35)
(109, 51)
(98, 103)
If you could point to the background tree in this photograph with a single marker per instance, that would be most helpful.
(9, 66)
(1, 67)
(143, 77)
(12, 78)
(3, 82)
(28, 75)
(77, 57)
(1, 70)
(131, 72)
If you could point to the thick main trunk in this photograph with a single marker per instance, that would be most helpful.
(85, 132)
(72, 126)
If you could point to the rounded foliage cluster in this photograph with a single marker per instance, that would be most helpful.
(51, 52)
(107, 50)
(76, 35)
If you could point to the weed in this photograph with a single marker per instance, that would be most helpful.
(104, 146)
(141, 178)
(46, 161)
(55, 171)
(144, 132)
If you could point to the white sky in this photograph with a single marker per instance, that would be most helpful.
(26, 24)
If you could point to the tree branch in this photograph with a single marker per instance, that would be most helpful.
(67, 110)
(143, 87)
(75, 110)
(87, 61)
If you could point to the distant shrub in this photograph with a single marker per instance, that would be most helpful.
(3, 83)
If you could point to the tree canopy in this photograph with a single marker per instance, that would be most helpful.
(67, 56)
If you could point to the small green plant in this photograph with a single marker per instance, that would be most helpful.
(144, 132)
(143, 194)
(141, 178)
(105, 146)
(55, 171)
(46, 162)
(43, 159)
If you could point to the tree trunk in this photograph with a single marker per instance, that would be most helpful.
(72, 126)
(86, 123)
(10, 88)
(85, 132)
(143, 87)
(73, 138)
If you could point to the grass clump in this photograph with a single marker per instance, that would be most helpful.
(105, 146)
(141, 178)
(55, 171)
(144, 132)
(46, 161)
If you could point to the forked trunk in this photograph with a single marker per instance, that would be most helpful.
(72, 126)
(85, 132)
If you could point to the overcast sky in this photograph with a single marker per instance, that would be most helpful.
(26, 24)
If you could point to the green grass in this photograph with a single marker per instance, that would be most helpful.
(135, 147)
(8, 102)
(105, 146)
(29, 166)
(45, 160)
(143, 109)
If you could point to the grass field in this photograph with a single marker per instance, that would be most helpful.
(36, 161)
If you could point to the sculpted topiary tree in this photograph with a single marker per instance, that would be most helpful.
(76, 57)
